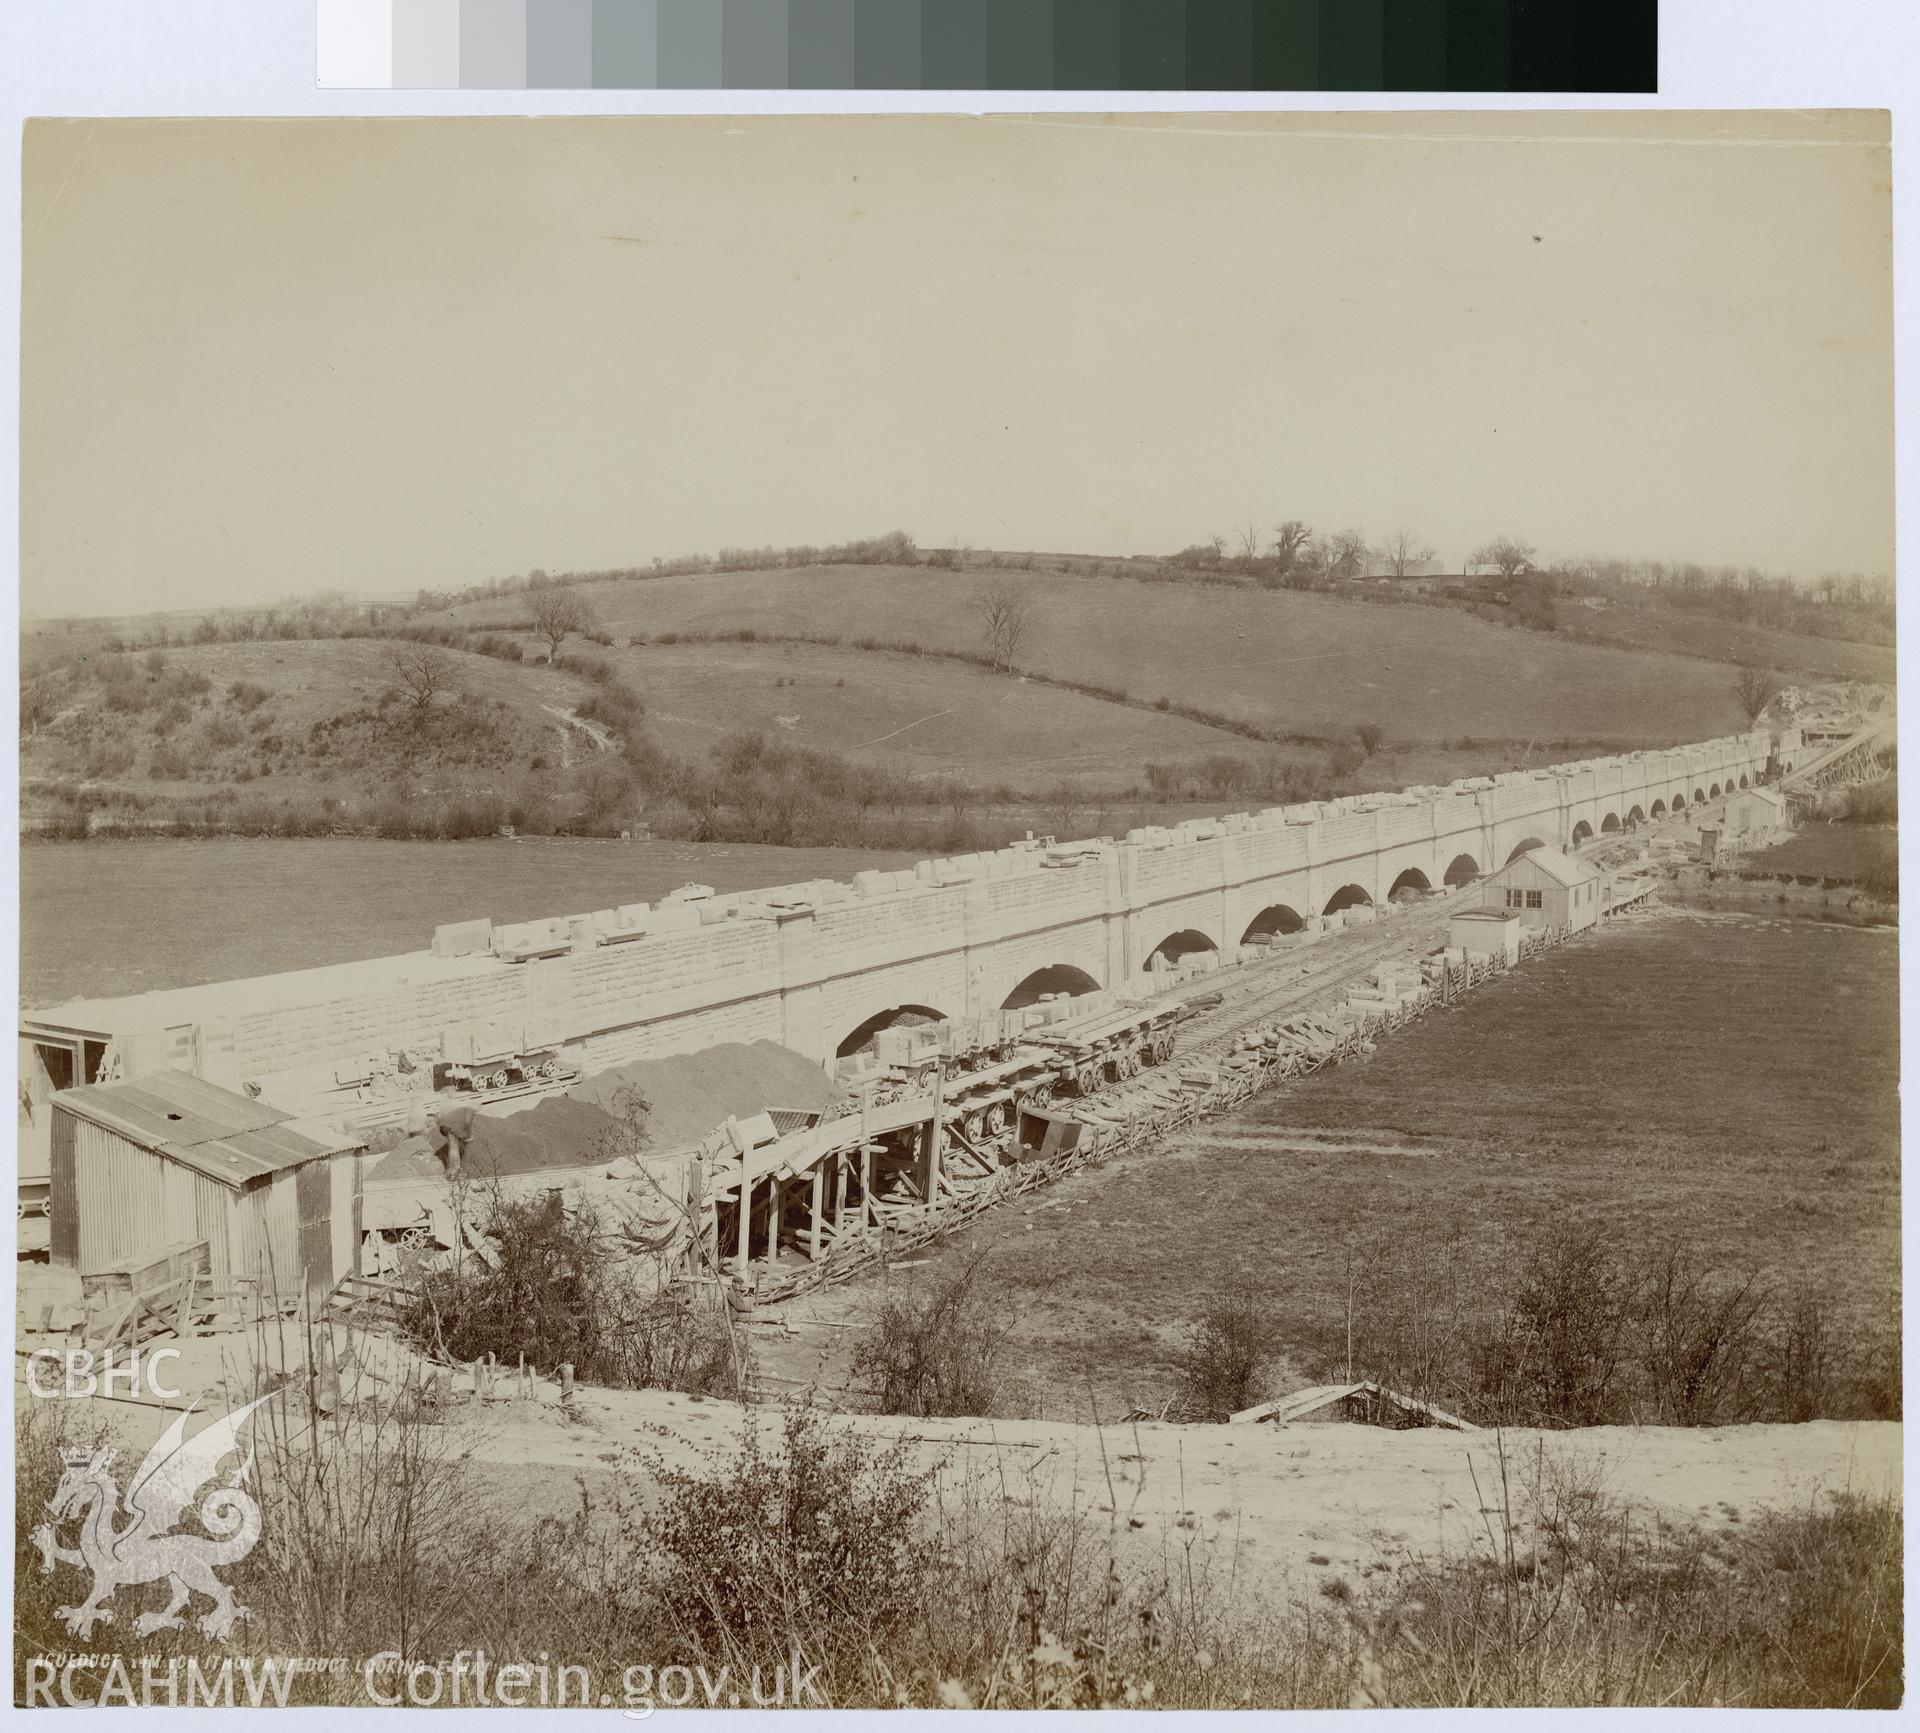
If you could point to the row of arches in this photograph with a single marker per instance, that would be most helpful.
(1276, 920)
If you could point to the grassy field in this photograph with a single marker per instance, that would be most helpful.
(1732, 1080)
(1298, 663)
(926, 716)
(138, 915)
(1673, 629)
(1864, 854)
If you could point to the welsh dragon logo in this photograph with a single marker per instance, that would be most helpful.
(144, 1548)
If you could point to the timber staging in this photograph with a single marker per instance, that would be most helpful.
(869, 1185)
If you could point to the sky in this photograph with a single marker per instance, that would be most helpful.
(264, 358)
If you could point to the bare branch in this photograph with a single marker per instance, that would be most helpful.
(557, 611)
(423, 670)
(1005, 611)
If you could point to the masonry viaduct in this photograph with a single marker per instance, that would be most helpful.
(812, 965)
(967, 938)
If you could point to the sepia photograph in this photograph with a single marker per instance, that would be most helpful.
(1037, 911)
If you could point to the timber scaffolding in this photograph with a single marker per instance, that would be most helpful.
(863, 1188)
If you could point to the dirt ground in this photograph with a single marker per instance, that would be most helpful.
(1274, 1510)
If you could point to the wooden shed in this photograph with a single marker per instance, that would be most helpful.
(170, 1159)
(1547, 888)
(1360, 1404)
(1753, 810)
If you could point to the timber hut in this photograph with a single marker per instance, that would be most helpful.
(1547, 888)
(169, 1159)
(1361, 1404)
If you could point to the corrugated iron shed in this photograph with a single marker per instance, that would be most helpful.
(230, 1138)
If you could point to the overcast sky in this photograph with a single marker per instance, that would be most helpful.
(268, 357)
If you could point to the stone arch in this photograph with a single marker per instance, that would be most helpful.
(1463, 869)
(1713, 793)
(1698, 797)
(1636, 816)
(1184, 943)
(1274, 918)
(1346, 897)
(1610, 824)
(1680, 802)
(861, 1036)
(1523, 846)
(1582, 832)
(1413, 879)
(1743, 779)
(1659, 809)
(1054, 978)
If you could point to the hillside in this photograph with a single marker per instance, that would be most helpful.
(1298, 664)
(923, 715)
(300, 715)
(1706, 635)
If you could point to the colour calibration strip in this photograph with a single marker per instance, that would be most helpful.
(1033, 45)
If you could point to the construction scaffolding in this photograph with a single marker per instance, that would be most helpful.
(918, 1156)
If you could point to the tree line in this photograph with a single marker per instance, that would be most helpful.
(1292, 554)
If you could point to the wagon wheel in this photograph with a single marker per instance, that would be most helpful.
(549, 1067)
(498, 1080)
(1089, 1078)
(415, 1238)
(996, 1119)
(971, 1127)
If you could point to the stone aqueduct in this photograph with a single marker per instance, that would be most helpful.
(975, 938)
(812, 965)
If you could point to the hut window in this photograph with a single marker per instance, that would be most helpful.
(1533, 899)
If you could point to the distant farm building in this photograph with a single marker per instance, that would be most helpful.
(1546, 888)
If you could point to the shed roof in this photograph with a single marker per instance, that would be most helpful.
(1311, 1400)
(231, 1138)
(1566, 869)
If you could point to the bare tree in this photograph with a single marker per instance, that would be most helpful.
(556, 612)
(1289, 543)
(1346, 553)
(423, 670)
(1754, 689)
(1005, 611)
(1508, 555)
(1402, 551)
(1249, 539)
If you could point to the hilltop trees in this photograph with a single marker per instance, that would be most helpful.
(1290, 543)
(1508, 555)
(1402, 551)
(1345, 553)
